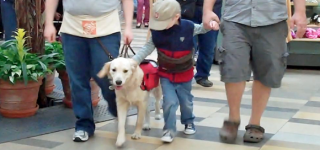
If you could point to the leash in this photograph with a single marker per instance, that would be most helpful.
(124, 53)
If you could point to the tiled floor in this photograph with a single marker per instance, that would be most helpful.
(291, 120)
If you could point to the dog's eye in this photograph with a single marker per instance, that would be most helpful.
(125, 71)
(114, 70)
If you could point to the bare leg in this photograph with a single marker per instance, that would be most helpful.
(229, 131)
(260, 97)
(122, 115)
(234, 95)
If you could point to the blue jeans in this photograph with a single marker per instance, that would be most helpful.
(205, 44)
(173, 95)
(9, 20)
(84, 59)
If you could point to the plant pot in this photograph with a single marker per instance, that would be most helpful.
(19, 100)
(50, 86)
(63, 75)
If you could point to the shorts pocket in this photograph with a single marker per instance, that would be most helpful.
(221, 59)
(284, 59)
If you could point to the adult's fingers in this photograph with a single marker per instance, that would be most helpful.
(301, 30)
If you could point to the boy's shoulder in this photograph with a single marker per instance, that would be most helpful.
(186, 22)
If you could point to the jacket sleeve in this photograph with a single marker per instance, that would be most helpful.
(199, 29)
(146, 50)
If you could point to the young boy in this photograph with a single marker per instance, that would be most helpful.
(173, 38)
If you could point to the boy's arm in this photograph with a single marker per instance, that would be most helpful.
(199, 29)
(146, 50)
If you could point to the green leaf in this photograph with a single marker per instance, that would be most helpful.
(24, 73)
(34, 77)
(11, 78)
(44, 67)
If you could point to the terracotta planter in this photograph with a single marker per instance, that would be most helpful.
(50, 86)
(67, 91)
(19, 100)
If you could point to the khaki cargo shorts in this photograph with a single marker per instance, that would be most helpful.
(260, 49)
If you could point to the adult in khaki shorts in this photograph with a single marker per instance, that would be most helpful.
(254, 34)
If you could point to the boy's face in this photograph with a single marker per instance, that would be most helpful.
(174, 21)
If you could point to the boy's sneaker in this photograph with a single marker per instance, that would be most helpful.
(167, 137)
(189, 129)
(80, 136)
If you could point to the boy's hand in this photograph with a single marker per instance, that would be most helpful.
(214, 25)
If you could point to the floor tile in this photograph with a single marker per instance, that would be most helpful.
(268, 147)
(267, 113)
(38, 143)
(188, 144)
(307, 115)
(299, 128)
(290, 145)
(296, 138)
(310, 109)
(271, 125)
(15, 146)
(204, 133)
(61, 136)
(313, 104)
(202, 111)
(98, 143)
(317, 99)
(305, 121)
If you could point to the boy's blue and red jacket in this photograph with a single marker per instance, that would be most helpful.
(175, 42)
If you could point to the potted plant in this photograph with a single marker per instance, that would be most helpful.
(21, 75)
(53, 58)
(63, 75)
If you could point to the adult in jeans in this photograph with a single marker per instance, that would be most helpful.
(86, 24)
(10, 23)
(204, 45)
(254, 34)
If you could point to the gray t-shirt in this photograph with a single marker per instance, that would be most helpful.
(255, 13)
(90, 7)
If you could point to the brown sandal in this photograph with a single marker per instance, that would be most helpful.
(254, 134)
(229, 131)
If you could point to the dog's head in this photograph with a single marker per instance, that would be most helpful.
(119, 71)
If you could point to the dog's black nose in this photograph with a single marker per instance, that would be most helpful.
(118, 82)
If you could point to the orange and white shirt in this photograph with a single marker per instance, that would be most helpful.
(89, 26)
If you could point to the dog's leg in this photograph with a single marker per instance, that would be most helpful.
(122, 115)
(142, 108)
(146, 125)
(158, 95)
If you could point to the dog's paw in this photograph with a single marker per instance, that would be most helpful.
(146, 127)
(158, 117)
(120, 142)
(136, 136)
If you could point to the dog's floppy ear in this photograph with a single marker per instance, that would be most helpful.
(105, 70)
(134, 64)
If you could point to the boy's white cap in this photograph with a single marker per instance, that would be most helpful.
(162, 13)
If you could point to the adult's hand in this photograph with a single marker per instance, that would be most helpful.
(50, 33)
(127, 36)
(128, 16)
(299, 20)
(208, 15)
(207, 19)
(50, 30)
